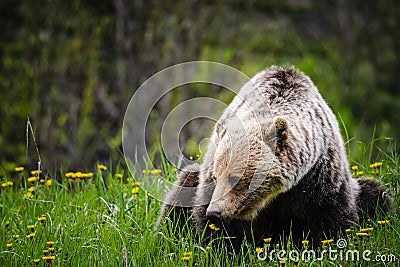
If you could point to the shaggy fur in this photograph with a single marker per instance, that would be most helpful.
(275, 163)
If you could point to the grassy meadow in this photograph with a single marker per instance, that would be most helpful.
(101, 217)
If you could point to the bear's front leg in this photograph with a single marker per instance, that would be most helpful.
(180, 200)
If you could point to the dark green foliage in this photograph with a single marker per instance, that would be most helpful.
(71, 66)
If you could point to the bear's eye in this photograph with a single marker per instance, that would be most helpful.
(233, 180)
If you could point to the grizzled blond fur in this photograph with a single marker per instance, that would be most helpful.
(277, 153)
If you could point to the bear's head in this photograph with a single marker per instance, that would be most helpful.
(247, 169)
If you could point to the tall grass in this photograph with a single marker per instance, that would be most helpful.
(103, 220)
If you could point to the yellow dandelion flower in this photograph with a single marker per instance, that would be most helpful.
(15, 236)
(36, 261)
(7, 223)
(361, 234)
(282, 262)
(214, 227)
(89, 175)
(367, 230)
(50, 250)
(28, 195)
(9, 245)
(36, 172)
(31, 227)
(59, 249)
(4, 185)
(50, 243)
(49, 258)
(327, 241)
(45, 251)
(348, 231)
(383, 222)
(42, 181)
(30, 236)
(42, 219)
(354, 168)
(118, 175)
(376, 172)
(135, 190)
(32, 179)
(359, 173)
(19, 169)
(258, 250)
(376, 165)
(102, 167)
(79, 207)
(49, 182)
(267, 240)
(185, 258)
(135, 183)
(305, 242)
(187, 253)
(69, 174)
(277, 246)
(31, 189)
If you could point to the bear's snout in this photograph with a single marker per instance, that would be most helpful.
(214, 216)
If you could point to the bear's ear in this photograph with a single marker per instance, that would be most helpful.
(277, 133)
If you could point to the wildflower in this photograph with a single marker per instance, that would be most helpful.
(361, 234)
(367, 230)
(187, 253)
(30, 236)
(277, 246)
(50, 243)
(28, 195)
(354, 168)
(31, 189)
(135, 190)
(15, 236)
(359, 173)
(31, 227)
(49, 182)
(36, 261)
(50, 250)
(305, 242)
(118, 175)
(7, 223)
(185, 258)
(282, 262)
(258, 250)
(32, 179)
(4, 185)
(19, 169)
(36, 172)
(42, 181)
(102, 167)
(69, 174)
(327, 241)
(383, 222)
(59, 249)
(214, 227)
(348, 231)
(267, 240)
(42, 219)
(152, 172)
(9, 245)
(376, 172)
(45, 251)
(89, 175)
(135, 183)
(79, 207)
(376, 165)
(48, 258)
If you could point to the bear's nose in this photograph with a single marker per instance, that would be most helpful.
(214, 216)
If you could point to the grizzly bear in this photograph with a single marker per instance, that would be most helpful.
(275, 166)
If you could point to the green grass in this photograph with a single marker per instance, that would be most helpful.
(101, 221)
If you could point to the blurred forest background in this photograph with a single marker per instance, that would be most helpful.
(72, 66)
